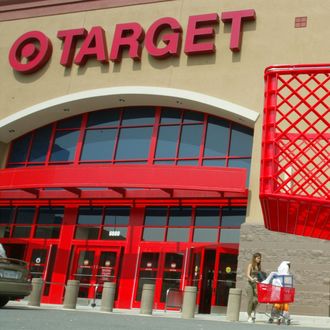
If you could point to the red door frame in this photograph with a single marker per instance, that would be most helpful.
(162, 251)
(98, 250)
(219, 249)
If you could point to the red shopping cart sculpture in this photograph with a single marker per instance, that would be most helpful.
(279, 297)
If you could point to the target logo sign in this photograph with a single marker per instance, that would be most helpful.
(30, 52)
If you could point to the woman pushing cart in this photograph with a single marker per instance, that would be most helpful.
(277, 289)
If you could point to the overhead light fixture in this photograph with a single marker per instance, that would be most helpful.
(66, 109)
(11, 130)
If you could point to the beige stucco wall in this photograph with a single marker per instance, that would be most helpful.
(233, 77)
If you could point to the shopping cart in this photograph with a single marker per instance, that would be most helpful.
(278, 297)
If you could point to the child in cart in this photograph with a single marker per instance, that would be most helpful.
(281, 278)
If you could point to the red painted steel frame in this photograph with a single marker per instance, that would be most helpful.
(295, 170)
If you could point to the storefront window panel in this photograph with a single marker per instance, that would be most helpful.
(180, 216)
(64, 147)
(99, 144)
(230, 236)
(214, 162)
(21, 231)
(25, 215)
(177, 235)
(4, 231)
(103, 118)
(138, 116)
(114, 233)
(190, 141)
(87, 232)
(73, 122)
(40, 144)
(233, 217)
(217, 138)
(207, 216)
(90, 216)
(47, 232)
(134, 143)
(205, 235)
(19, 149)
(241, 141)
(167, 142)
(6, 215)
(193, 117)
(187, 162)
(170, 116)
(154, 234)
(155, 216)
(51, 215)
(117, 216)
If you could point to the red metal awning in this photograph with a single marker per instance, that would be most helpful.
(122, 181)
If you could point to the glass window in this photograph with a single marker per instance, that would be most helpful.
(25, 215)
(138, 116)
(190, 141)
(114, 233)
(241, 141)
(64, 147)
(87, 232)
(102, 118)
(47, 232)
(22, 231)
(155, 216)
(193, 117)
(233, 217)
(170, 116)
(217, 138)
(180, 216)
(177, 235)
(19, 149)
(134, 143)
(207, 216)
(90, 216)
(6, 214)
(116, 216)
(40, 144)
(153, 234)
(72, 122)
(187, 162)
(229, 236)
(205, 235)
(50, 215)
(99, 144)
(167, 142)
(4, 231)
(214, 162)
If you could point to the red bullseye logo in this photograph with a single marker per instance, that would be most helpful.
(30, 52)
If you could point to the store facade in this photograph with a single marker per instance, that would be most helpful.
(131, 145)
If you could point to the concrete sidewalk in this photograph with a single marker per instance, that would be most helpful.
(297, 320)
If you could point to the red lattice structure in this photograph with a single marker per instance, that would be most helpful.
(295, 166)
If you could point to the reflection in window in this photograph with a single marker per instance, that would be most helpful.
(241, 141)
(167, 142)
(230, 236)
(134, 143)
(217, 138)
(99, 144)
(40, 144)
(137, 135)
(64, 146)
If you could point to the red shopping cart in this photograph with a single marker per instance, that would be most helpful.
(279, 297)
